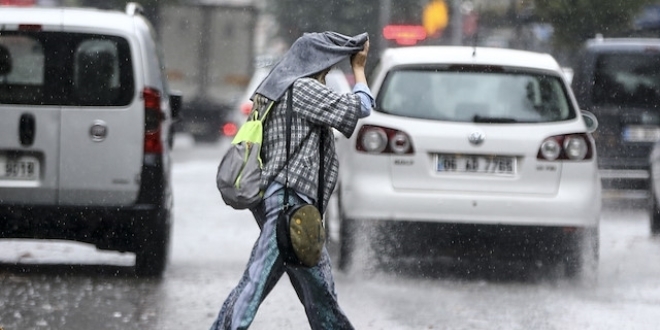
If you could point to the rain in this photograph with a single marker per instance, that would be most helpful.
(210, 51)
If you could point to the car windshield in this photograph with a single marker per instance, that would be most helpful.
(486, 96)
(627, 79)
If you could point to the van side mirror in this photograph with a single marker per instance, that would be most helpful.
(590, 120)
(176, 99)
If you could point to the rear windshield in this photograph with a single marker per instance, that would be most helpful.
(50, 68)
(476, 94)
(627, 79)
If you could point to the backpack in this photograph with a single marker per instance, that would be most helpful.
(239, 173)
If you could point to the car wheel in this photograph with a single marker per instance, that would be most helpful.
(170, 137)
(206, 137)
(331, 219)
(654, 215)
(153, 245)
(385, 241)
(347, 234)
(582, 254)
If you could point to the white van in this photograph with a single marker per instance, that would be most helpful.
(85, 117)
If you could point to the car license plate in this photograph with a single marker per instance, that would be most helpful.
(501, 165)
(641, 133)
(19, 168)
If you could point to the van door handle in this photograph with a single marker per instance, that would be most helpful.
(27, 129)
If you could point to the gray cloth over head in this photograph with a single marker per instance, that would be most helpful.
(312, 53)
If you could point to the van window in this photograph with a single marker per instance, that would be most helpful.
(68, 69)
(479, 96)
(627, 79)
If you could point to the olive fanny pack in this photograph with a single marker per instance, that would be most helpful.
(299, 229)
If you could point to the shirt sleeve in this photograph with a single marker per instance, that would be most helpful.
(322, 106)
(366, 99)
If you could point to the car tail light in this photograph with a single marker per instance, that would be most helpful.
(376, 139)
(29, 27)
(566, 147)
(153, 116)
(229, 129)
(246, 108)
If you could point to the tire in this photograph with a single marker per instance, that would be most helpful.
(347, 236)
(582, 254)
(206, 138)
(654, 215)
(153, 245)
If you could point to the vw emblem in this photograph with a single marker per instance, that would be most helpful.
(476, 138)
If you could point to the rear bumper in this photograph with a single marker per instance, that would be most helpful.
(112, 228)
(577, 203)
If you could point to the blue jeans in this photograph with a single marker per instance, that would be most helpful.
(314, 286)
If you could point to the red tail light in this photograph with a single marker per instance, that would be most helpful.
(246, 108)
(29, 27)
(574, 147)
(229, 129)
(17, 2)
(153, 116)
(382, 140)
(405, 35)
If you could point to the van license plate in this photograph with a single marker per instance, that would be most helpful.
(501, 165)
(21, 168)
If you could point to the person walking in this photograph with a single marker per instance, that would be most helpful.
(317, 109)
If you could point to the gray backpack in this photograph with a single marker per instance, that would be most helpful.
(239, 172)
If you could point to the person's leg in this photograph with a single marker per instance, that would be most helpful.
(263, 270)
(315, 287)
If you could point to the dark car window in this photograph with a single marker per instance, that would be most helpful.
(495, 96)
(47, 68)
(627, 79)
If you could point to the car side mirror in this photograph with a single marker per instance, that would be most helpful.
(590, 120)
(176, 99)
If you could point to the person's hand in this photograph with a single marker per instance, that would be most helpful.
(359, 59)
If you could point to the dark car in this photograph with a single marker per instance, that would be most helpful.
(618, 80)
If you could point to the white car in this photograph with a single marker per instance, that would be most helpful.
(470, 152)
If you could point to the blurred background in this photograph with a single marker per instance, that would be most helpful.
(214, 48)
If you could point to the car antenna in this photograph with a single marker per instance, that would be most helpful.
(474, 45)
(475, 39)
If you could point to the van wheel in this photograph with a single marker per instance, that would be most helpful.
(153, 245)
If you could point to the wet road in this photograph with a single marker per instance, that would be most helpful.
(64, 285)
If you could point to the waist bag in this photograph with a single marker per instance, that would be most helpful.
(300, 232)
(239, 173)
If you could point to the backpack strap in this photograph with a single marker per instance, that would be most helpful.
(255, 114)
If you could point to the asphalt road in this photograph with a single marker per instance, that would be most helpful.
(65, 285)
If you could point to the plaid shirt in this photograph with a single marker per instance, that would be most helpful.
(315, 108)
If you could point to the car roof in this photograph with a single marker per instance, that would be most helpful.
(53, 19)
(468, 55)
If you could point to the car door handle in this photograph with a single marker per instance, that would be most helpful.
(27, 129)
